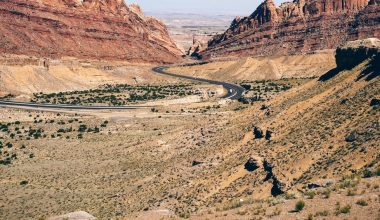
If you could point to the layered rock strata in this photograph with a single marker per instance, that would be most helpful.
(91, 29)
(301, 26)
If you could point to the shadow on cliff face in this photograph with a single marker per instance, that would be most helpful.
(330, 74)
(371, 70)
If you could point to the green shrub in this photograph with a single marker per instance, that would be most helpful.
(24, 182)
(326, 193)
(351, 193)
(367, 174)
(310, 194)
(9, 145)
(300, 205)
(289, 196)
(362, 202)
(184, 215)
(322, 213)
(343, 210)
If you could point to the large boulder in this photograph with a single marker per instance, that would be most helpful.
(268, 135)
(253, 163)
(375, 102)
(258, 133)
(352, 137)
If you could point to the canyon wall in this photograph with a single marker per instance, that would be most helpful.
(89, 29)
(301, 26)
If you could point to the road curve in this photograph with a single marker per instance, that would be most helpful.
(6, 103)
(234, 92)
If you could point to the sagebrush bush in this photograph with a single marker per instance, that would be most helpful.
(300, 205)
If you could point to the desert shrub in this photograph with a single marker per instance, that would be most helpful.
(82, 128)
(289, 196)
(343, 210)
(276, 212)
(351, 193)
(377, 171)
(184, 215)
(367, 173)
(24, 182)
(326, 193)
(346, 209)
(362, 202)
(310, 194)
(310, 217)
(322, 213)
(300, 205)
(237, 203)
(350, 181)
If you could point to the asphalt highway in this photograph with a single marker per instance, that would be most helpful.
(234, 92)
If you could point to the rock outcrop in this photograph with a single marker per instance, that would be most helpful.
(354, 52)
(258, 133)
(375, 102)
(253, 163)
(301, 26)
(278, 187)
(196, 49)
(89, 29)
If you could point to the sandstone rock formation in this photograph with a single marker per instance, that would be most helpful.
(196, 49)
(355, 52)
(301, 26)
(90, 29)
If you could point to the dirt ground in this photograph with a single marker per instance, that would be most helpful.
(263, 68)
(187, 158)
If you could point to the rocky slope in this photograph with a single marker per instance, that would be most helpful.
(91, 29)
(301, 26)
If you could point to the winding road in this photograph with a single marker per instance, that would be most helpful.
(234, 92)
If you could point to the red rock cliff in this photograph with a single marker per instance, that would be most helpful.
(301, 26)
(90, 29)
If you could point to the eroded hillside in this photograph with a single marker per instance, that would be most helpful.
(297, 27)
(205, 159)
(262, 68)
(91, 29)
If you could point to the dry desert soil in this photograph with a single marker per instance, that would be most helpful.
(195, 155)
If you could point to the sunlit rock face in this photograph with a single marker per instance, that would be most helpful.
(93, 29)
(302, 26)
